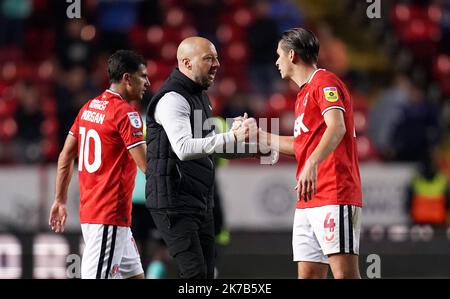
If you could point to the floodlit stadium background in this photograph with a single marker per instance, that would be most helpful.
(393, 55)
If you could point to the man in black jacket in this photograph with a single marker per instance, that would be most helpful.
(180, 142)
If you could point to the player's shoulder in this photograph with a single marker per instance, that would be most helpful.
(327, 81)
(325, 77)
(124, 107)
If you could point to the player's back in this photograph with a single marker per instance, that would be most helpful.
(106, 127)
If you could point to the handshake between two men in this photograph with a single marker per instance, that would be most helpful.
(254, 140)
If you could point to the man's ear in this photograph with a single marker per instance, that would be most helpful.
(126, 77)
(187, 63)
(292, 56)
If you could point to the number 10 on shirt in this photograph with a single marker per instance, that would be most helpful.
(83, 156)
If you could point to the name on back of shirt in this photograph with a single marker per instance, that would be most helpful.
(93, 117)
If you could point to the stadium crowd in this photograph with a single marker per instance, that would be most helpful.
(397, 67)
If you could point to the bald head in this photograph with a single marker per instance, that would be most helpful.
(192, 46)
(197, 59)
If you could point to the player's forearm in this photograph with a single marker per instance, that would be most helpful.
(63, 177)
(286, 144)
(328, 143)
(138, 153)
(282, 144)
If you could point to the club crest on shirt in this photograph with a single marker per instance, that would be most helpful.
(135, 120)
(331, 94)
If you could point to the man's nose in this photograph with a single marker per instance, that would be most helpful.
(216, 62)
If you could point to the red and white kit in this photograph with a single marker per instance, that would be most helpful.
(334, 212)
(106, 128)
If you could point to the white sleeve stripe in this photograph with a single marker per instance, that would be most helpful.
(71, 133)
(135, 144)
(332, 107)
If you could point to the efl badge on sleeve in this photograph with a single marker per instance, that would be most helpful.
(331, 94)
(135, 120)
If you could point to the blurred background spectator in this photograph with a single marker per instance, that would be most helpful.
(30, 120)
(429, 195)
(262, 37)
(13, 15)
(333, 52)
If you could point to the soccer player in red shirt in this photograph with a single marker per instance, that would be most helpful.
(108, 140)
(327, 219)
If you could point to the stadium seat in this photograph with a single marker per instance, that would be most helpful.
(49, 127)
(7, 106)
(360, 118)
(441, 70)
(42, 37)
(235, 52)
(227, 86)
(50, 148)
(176, 18)
(8, 129)
(365, 148)
(48, 107)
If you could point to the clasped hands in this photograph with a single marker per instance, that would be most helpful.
(244, 129)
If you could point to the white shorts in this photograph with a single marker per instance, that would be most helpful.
(319, 232)
(109, 252)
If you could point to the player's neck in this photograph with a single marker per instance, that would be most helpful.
(303, 74)
(118, 89)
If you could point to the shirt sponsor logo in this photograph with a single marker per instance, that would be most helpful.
(137, 134)
(299, 126)
(135, 120)
(331, 94)
(97, 104)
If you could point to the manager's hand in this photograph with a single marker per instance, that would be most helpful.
(252, 126)
(237, 121)
(240, 133)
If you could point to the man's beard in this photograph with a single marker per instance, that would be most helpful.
(203, 81)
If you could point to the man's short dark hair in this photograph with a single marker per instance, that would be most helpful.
(304, 43)
(121, 62)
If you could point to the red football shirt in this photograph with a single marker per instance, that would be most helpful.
(338, 179)
(106, 128)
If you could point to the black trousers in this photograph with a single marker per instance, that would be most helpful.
(190, 240)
